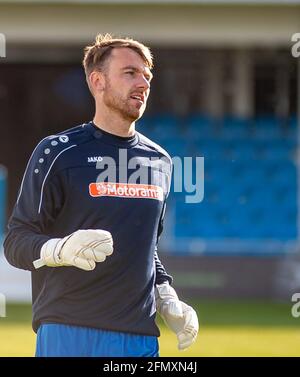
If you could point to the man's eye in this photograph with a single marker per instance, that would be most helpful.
(130, 72)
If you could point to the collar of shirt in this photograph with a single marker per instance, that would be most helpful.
(108, 138)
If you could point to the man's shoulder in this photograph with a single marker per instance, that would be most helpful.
(154, 146)
(63, 140)
(52, 147)
(76, 134)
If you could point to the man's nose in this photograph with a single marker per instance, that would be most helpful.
(144, 83)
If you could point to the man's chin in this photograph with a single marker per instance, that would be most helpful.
(135, 115)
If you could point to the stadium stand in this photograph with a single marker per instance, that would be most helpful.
(250, 178)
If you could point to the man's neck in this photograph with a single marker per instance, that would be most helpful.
(114, 124)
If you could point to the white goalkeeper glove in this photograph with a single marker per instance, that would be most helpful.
(81, 249)
(178, 316)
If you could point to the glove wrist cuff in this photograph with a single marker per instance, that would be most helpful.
(50, 252)
(166, 292)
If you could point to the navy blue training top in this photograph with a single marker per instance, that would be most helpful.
(85, 178)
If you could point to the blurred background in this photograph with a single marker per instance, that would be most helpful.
(226, 87)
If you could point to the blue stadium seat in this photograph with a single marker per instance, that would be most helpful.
(234, 128)
(267, 127)
(199, 126)
(177, 147)
(277, 150)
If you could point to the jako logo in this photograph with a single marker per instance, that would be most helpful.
(95, 159)
(296, 307)
(2, 46)
(296, 47)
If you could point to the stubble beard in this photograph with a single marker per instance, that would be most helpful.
(120, 105)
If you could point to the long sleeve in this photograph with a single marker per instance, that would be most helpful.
(161, 274)
(39, 201)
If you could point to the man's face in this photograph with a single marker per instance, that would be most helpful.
(127, 83)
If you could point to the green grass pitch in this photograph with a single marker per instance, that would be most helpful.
(227, 328)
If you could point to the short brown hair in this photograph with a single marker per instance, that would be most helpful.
(96, 55)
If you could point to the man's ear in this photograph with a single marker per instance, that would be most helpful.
(97, 81)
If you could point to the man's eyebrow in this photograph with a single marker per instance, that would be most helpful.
(136, 70)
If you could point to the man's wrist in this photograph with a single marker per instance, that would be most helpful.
(166, 291)
(49, 254)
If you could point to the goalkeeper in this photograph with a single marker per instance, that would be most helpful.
(88, 234)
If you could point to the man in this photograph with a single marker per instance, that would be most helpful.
(88, 234)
